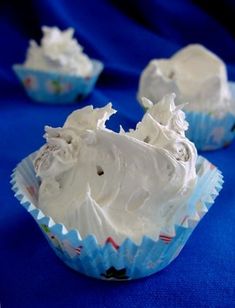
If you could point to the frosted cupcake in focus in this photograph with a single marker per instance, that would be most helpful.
(57, 70)
(198, 77)
(118, 205)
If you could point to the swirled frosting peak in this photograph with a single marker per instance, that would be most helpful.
(58, 52)
(126, 184)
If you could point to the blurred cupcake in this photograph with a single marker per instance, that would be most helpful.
(118, 206)
(57, 70)
(198, 77)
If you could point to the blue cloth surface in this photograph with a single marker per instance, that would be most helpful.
(124, 35)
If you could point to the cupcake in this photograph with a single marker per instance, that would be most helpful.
(198, 77)
(118, 206)
(57, 70)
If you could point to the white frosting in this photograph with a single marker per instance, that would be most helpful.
(195, 74)
(58, 52)
(126, 184)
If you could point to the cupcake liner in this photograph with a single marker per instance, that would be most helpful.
(111, 261)
(52, 87)
(209, 132)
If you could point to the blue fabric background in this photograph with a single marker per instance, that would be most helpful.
(125, 35)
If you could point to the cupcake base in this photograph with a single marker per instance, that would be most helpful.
(112, 261)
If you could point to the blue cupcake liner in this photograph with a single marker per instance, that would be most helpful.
(58, 88)
(111, 261)
(209, 132)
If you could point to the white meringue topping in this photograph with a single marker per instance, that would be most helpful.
(58, 52)
(195, 74)
(126, 184)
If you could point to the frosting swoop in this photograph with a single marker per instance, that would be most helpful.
(126, 184)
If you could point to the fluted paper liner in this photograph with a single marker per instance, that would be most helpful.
(58, 88)
(112, 261)
(209, 132)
